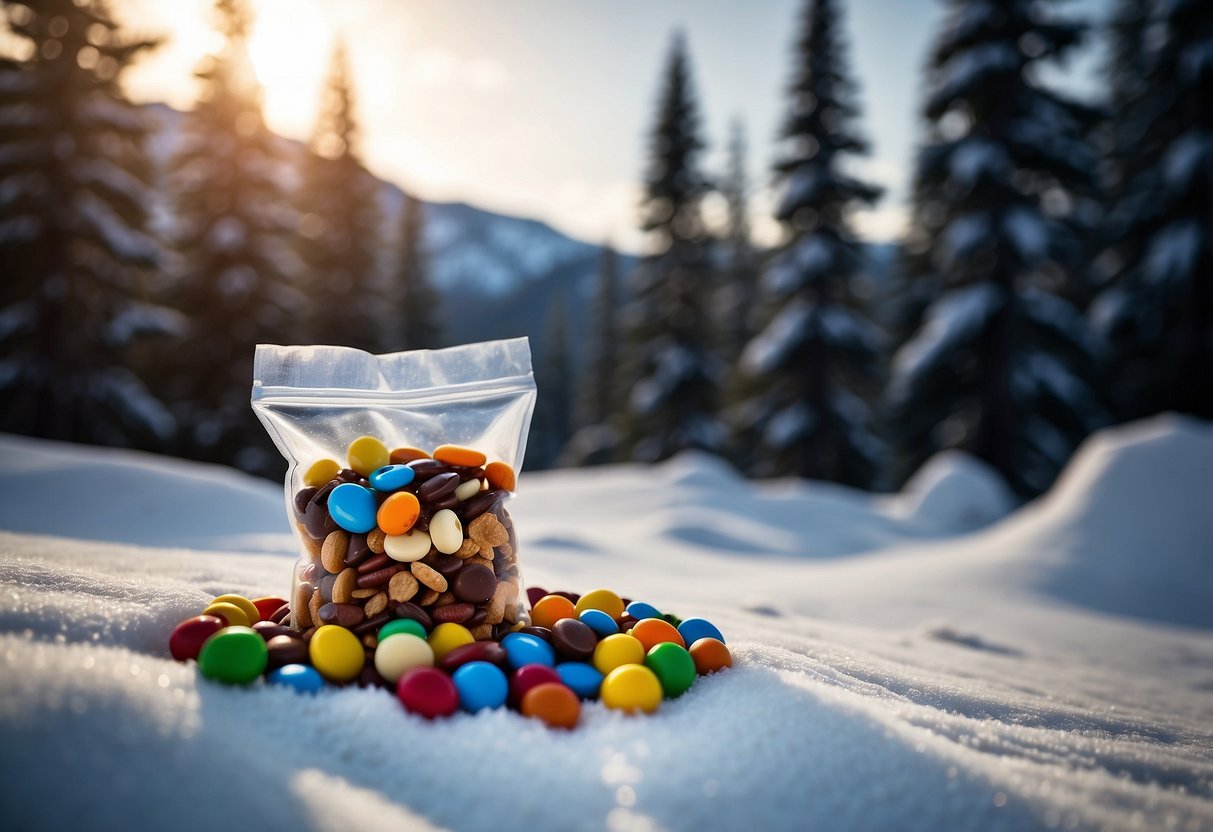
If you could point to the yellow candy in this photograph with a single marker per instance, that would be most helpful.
(446, 637)
(336, 653)
(320, 472)
(366, 454)
(232, 614)
(616, 651)
(601, 599)
(246, 606)
(631, 688)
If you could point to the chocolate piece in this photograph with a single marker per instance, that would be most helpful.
(438, 487)
(573, 639)
(346, 615)
(268, 629)
(423, 469)
(477, 651)
(478, 505)
(410, 610)
(379, 577)
(373, 563)
(372, 624)
(543, 633)
(453, 613)
(447, 565)
(478, 617)
(357, 551)
(279, 615)
(474, 583)
(302, 497)
(284, 650)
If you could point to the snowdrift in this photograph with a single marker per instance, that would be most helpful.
(1003, 679)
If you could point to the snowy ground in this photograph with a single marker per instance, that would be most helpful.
(896, 669)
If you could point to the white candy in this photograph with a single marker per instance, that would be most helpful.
(446, 531)
(401, 652)
(468, 489)
(408, 547)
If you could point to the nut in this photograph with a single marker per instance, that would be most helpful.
(429, 576)
(376, 604)
(427, 598)
(364, 593)
(343, 587)
(482, 632)
(301, 606)
(314, 605)
(402, 587)
(469, 548)
(332, 553)
(375, 538)
(488, 532)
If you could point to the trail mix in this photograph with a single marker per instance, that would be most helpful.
(411, 583)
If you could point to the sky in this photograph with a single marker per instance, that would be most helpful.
(541, 108)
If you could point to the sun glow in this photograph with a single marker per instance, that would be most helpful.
(290, 54)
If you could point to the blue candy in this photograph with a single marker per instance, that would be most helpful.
(693, 629)
(353, 507)
(524, 648)
(640, 610)
(581, 678)
(599, 622)
(300, 677)
(391, 477)
(481, 685)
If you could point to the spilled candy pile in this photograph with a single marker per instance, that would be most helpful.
(411, 582)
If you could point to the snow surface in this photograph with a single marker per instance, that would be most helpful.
(1053, 670)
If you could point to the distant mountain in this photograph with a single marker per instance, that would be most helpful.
(497, 271)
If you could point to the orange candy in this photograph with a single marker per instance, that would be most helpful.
(457, 455)
(402, 456)
(551, 608)
(552, 702)
(500, 476)
(398, 513)
(710, 655)
(653, 631)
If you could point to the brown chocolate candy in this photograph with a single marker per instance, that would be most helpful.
(478, 617)
(423, 469)
(478, 505)
(446, 565)
(543, 633)
(279, 615)
(456, 613)
(474, 583)
(372, 624)
(284, 650)
(477, 651)
(358, 550)
(302, 497)
(373, 563)
(345, 615)
(379, 577)
(268, 629)
(438, 486)
(573, 639)
(410, 610)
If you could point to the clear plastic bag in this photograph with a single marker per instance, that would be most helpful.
(317, 401)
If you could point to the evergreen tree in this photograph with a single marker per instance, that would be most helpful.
(237, 274)
(75, 249)
(1000, 361)
(416, 321)
(1158, 310)
(740, 266)
(674, 375)
(553, 421)
(340, 226)
(598, 393)
(806, 373)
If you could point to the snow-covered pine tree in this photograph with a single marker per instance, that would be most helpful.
(1000, 362)
(416, 319)
(553, 421)
(598, 382)
(236, 275)
(735, 300)
(672, 372)
(806, 373)
(1158, 310)
(340, 226)
(75, 249)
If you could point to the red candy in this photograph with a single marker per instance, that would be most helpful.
(188, 637)
(268, 606)
(477, 651)
(527, 677)
(428, 692)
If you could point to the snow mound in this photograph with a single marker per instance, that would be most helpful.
(1129, 526)
(125, 496)
(957, 492)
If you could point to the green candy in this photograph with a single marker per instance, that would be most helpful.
(234, 655)
(673, 666)
(402, 625)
